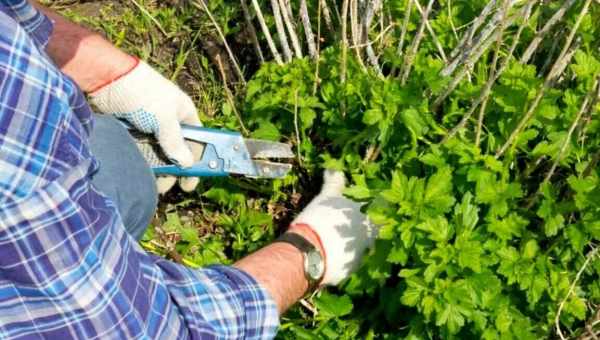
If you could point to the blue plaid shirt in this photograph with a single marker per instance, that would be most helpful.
(67, 267)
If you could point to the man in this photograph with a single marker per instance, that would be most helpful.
(68, 267)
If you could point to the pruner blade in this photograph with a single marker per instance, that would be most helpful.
(261, 149)
(225, 153)
(266, 169)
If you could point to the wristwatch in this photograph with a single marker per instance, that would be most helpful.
(314, 264)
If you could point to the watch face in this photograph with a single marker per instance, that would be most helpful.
(314, 265)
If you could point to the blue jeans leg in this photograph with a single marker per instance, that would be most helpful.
(124, 175)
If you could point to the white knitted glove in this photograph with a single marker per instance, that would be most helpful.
(153, 104)
(345, 232)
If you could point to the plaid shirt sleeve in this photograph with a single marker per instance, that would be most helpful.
(68, 269)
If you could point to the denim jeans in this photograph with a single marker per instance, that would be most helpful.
(124, 175)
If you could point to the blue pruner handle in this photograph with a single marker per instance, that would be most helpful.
(209, 166)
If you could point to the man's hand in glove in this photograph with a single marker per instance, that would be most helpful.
(155, 105)
(127, 88)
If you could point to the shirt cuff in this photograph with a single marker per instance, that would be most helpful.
(260, 311)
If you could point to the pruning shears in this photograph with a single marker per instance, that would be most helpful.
(225, 152)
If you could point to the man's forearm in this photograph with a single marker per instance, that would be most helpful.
(279, 268)
(83, 55)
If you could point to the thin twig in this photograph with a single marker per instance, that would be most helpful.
(291, 28)
(265, 30)
(588, 259)
(550, 54)
(151, 17)
(354, 29)
(592, 98)
(310, 38)
(493, 72)
(296, 126)
(404, 29)
(415, 45)
(533, 45)
(229, 96)
(377, 38)
(372, 7)
(344, 41)
(557, 69)
(468, 64)
(436, 42)
(326, 16)
(220, 32)
(494, 75)
(283, 41)
(475, 44)
(252, 31)
(451, 19)
(318, 61)
(344, 66)
(473, 28)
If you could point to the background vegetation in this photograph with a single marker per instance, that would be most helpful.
(469, 128)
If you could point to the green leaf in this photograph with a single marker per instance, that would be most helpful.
(438, 192)
(330, 305)
(266, 130)
(503, 320)
(372, 116)
(530, 249)
(414, 122)
(411, 296)
(506, 228)
(406, 273)
(466, 213)
(469, 255)
(307, 116)
(451, 318)
(438, 228)
(576, 307)
(397, 255)
(358, 192)
(576, 237)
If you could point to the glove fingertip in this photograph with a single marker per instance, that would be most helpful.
(188, 184)
(164, 184)
(333, 181)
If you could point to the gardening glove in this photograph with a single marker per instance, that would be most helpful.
(154, 105)
(344, 231)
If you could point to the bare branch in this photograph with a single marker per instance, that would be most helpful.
(344, 41)
(494, 75)
(287, 52)
(591, 255)
(310, 38)
(482, 37)
(533, 45)
(415, 45)
(405, 23)
(557, 69)
(229, 95)
(326, 15)
(372, 7)
(265, 30)
(481, 48)
(588, 103)
(436, 42)
(284, 4)
(468, 36)
(252, 31)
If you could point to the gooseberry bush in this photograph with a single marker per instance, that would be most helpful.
(480, 166)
